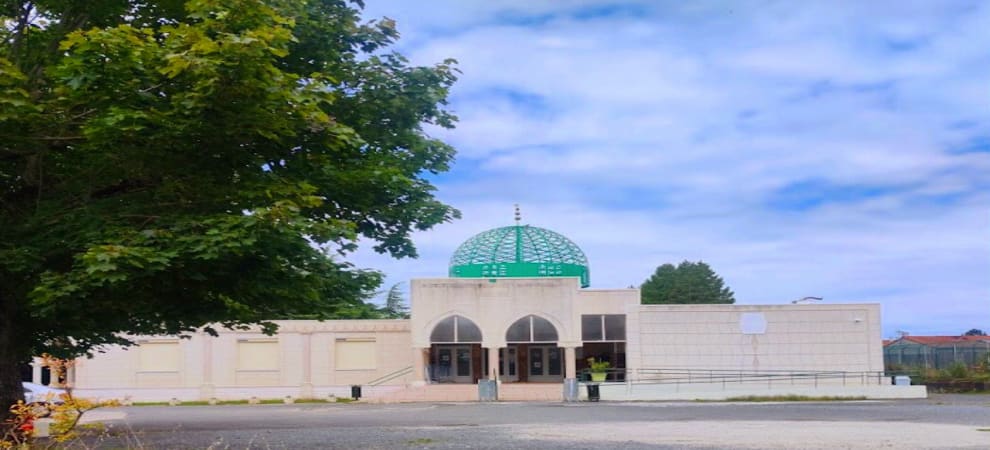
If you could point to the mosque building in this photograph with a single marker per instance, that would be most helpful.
(516, 309)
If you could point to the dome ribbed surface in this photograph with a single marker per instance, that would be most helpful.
(519, 251)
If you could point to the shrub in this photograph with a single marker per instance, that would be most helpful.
(19, 428)
(597, 366)
(958, 371)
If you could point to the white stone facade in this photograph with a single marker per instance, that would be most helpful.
(311, 359)
(840, 337)
(301, 361)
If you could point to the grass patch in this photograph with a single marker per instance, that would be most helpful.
(791, 398)
(983, 429)
(311, 400)
(266, 401)
(420, 441)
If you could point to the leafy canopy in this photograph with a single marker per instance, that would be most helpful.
(686, 283)
(165, 165)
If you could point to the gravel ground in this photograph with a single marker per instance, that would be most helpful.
(961, 421)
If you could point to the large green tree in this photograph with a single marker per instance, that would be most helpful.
(167, 165)
(686, 283)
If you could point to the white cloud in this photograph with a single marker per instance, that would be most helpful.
(670, 132)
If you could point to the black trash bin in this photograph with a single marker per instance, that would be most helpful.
(356, 392)
(593, 394)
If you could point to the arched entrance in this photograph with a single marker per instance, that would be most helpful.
(455, 351)
(532, 348)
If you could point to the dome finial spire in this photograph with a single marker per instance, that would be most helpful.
(518, 214)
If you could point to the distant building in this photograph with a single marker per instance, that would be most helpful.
(935, 352)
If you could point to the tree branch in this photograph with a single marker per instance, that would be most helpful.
(67, 26)
(18, 33)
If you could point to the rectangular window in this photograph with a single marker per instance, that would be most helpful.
(159, 356)
(603, 327)
(257, 355)
(591, 328)
(615, 327)
(355, 354)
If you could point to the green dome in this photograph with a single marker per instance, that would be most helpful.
(519, 251)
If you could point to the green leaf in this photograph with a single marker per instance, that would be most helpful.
(170, 165)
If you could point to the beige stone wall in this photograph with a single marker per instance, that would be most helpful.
(302, 360)
(842, 337)
(494, 304)
(300, 357)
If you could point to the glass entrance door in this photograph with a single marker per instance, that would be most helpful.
(545, 363)
(508, 359)
(453, 364)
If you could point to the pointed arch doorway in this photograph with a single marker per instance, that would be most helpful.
(532, 341)
(455, 351)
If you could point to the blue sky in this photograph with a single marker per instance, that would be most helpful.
(832, 149)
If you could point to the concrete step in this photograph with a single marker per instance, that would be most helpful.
(469, 393)
(530, 392)
(431, 393)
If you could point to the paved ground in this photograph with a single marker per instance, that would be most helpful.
(960, 421)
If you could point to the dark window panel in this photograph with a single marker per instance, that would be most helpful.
(444, 331)
(518, 331)
(543, 330)
(467, 331)
(591, 328)
(615, 327)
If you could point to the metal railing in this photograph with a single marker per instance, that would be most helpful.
(770, 377)
(611, 375)
(729, 376)
(390, 376)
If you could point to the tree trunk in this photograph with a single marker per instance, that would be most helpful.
(11, 357)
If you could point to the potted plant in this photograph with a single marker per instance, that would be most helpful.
(598, 369)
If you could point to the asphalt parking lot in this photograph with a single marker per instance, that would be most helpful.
(945, 421)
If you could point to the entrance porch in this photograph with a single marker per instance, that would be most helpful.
(534, 363)
(531, 352)
(521, 363)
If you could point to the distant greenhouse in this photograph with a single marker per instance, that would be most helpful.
(935, 352)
